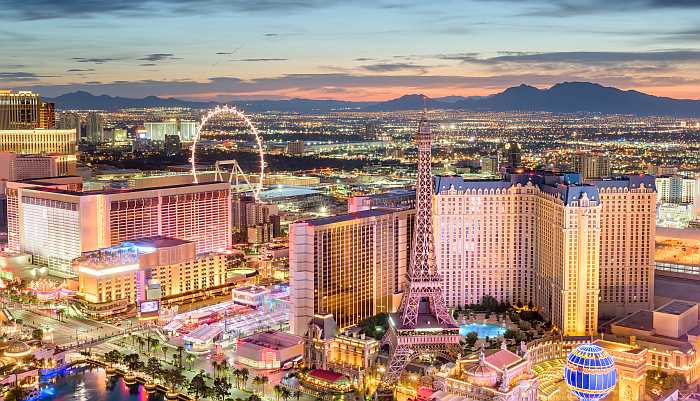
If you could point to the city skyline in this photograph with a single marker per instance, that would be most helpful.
(286, 49)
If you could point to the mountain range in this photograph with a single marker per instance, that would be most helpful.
(567, 97)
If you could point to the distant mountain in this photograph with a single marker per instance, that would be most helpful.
(571, 97)
(567, 97)
(82, 100)
(409, 102)
(450, 99)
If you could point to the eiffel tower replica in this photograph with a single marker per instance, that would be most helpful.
(422, 325)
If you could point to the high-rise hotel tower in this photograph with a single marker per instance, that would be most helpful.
(56, 226)
(568, 247)
(352, 266)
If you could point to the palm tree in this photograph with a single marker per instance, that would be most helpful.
(190, 359)
(285, 393)
(236, 373)
(156, 345)
(258, 381)
(265, 380)
(180, 349)
(217, 367)
(244, 373)
(225, 368)
(278, 391)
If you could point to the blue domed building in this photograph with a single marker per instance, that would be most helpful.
(590, 372)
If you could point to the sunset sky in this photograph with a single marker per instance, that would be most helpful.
(356, 50)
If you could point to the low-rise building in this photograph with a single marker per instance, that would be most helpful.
(269, 349)
(113, 279)
(670, 334)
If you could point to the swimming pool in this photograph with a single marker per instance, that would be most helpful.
(482, 330)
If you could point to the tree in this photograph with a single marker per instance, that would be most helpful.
(198, 386)
(190, 359)
(221, 388)
(156, 345)
(375, 326)
(471, 338)
(524, 325)
(38, 334)
(153, 367)
(217, 367)
(113, 357)
(244, 374)
(489, 303)
(259, 382)
(132, 361)
(16, 393)
(285, 393)
(180, 350)
(174, 377)
(278, 391)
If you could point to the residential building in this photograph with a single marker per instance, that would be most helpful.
(678, 189)
(94, 127)
(592, 165)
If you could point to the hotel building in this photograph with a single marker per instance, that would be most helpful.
(547, 239)
(24, 110)
(352, 266)
(627, 248)
(159, 131)
(115, 278)
(16, 167)
(36, 141)
(56, 226)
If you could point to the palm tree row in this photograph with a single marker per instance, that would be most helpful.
(152, 368)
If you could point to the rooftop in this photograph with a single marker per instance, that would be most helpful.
(676, 307)
(349, 216)
(642, 320)
(120, 191)
(272, 340)
(287, 191)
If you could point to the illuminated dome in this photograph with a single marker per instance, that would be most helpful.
(17, 349)
(482, 374)
(590, 372)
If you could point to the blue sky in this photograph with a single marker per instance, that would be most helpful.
(217, 49)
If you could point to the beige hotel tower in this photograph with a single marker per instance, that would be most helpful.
(576, 250)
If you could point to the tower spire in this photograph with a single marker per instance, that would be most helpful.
(422, 323)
